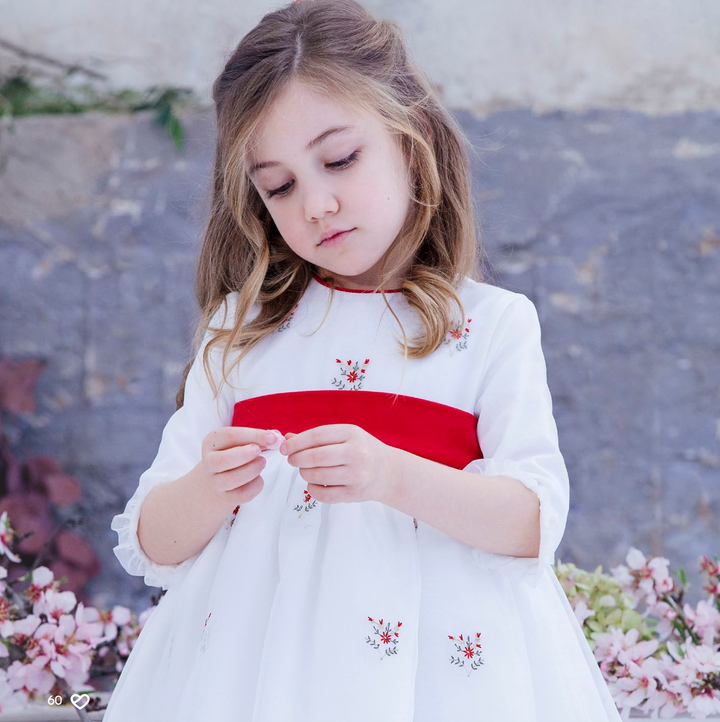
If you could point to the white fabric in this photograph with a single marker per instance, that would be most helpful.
(519, 435)
(271, 621)
(180, 450)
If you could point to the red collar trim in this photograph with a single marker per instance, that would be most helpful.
(354, 290)
(429, 429)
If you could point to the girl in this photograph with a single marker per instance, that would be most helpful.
(386, 554)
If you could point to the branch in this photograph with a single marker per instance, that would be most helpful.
(48, 60)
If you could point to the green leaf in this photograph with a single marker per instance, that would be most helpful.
(176, 132)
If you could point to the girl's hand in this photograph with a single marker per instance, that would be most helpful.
(232, 462)
(342, 463)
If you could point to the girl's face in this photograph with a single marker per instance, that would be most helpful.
(350, 179)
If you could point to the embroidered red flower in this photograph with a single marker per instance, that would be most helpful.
(307, 504)
(354, 375)
(387, 637)
(231, 519)
(469, 649)
(458, 334)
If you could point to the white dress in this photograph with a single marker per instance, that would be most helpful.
(299, 611)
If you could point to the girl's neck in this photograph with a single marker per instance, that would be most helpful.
(321, 280)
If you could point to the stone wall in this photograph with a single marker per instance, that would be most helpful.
(608, 220)
(658, 56)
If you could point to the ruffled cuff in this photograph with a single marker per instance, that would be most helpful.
(528, 569)
(131, 555)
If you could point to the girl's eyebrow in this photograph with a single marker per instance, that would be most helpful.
(323, 136)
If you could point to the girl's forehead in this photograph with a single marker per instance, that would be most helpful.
(302, 113)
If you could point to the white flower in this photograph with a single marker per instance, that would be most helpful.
(42, 577)
(582, 612)
(54, 604)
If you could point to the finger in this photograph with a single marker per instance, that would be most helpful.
(236, 479)
(234, 457)
(274, 439)
(318, 456)
(319, 436)
(327, 494)
(228, 436)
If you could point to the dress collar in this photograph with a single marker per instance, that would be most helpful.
(354, 290)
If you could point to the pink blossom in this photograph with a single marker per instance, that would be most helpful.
(10, 700)
(667, 699)
(64, 648)
(666, 614)
(54, 604)
(42, 580)
(23, 629)
(607, 647)
(640, 683)
(42, 577)
(617, 653)
(109, 622)
(582, 612)
(644, 579)
(708, 566)
(609, 644)
(692, 677)
(637, 653)
(705, 621)
(29, 679)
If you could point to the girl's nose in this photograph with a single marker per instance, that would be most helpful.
(319, 202)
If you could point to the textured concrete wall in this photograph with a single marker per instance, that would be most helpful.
(653, 55)
(609, 221)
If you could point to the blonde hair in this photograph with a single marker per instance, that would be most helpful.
(335, 48)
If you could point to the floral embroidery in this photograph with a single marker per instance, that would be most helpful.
(205, 633)
(458, 336)
(231, 519)
(471, 650)
(286, 324)
(302, 508)
(387, 636)
(352, 375)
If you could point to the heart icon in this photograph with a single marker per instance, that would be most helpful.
(80, 700)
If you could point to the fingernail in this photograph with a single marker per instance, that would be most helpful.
(256, 449)
(283, 448)
(270, 437)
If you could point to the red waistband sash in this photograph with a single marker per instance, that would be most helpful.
(426, 428)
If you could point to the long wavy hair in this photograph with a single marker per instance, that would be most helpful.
(336, 48)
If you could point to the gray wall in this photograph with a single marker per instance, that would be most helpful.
(607, 220)
(604, 208)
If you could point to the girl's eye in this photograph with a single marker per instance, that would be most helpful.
(338, 165)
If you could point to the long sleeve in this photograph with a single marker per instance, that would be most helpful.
(518, 435)
(180, 450)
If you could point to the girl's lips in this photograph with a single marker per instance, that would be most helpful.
(334, 240)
